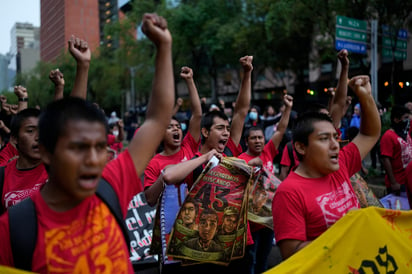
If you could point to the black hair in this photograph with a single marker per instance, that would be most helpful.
(57, 114)
(351, 132)
(20, 117)
(304, 127)
(316, 107)
(398, 111)
(254, 128)
(208, 119)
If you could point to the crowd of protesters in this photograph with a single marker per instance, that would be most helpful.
(60, 155)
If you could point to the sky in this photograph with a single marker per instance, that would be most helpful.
(23, 11)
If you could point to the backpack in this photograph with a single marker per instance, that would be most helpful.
(23, 224)
(289, 146)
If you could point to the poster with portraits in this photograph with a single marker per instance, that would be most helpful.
(261, 195)
(211, 225)
(364, 194)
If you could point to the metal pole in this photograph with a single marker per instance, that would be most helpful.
(374, 59)
(132, 88)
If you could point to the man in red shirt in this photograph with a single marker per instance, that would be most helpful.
(176, 149)
(76, 232)
(218, 138)
(396, 150)
(25, 174)
(255, 141)
(318, 192)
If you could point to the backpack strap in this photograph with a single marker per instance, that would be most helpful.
(228, 152)
(2, 208)
(107, 194)
(23, 233)
(289, 146)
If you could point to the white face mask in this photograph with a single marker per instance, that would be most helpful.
(115, 133)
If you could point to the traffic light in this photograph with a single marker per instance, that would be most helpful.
(310, 92)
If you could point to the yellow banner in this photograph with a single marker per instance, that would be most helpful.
(9, 270)
(369, 240)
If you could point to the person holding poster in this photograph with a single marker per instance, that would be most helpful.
(219, 138)
(255, 141)
(318, 192)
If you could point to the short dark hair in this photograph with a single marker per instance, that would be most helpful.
(304, 127)
(20, 117)
(254, 128)
(58, 113)
(316, 107)
(398, 111)
(207, 120)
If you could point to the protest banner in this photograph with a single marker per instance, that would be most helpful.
(368, 240)
(215, 231)
(365, 195)
(139, 222)
(261, 196)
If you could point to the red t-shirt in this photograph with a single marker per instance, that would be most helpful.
(286, 161)
(20, 184)
(187, 150)
(86, 238)
(8, 152)
(111, 142)
(400, 153)
(303, 208)
(268, 154)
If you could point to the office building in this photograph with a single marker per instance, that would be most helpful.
(85, 19)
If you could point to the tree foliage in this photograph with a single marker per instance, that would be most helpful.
(210, 36)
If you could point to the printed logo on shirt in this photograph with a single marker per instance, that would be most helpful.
(269, 166)
(406, 150)
(93, 244)
(336, 203)
(14, 197)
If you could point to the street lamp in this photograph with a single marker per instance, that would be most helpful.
(132, 87)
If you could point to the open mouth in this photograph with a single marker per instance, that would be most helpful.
(176, 136)
(222, 145)
(334, 158)
(89, 181)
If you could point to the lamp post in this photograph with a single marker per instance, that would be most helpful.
(132, 87)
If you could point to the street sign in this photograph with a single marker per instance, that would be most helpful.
(347, 22)
(350, 46)
(391, 50)
(351, 34)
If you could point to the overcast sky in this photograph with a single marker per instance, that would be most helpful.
(12, 11)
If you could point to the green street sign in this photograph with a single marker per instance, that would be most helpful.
(399, 55)
(400, 44)
(347, 22)
(348, 34)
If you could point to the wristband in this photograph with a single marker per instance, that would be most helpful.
(24, 99)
